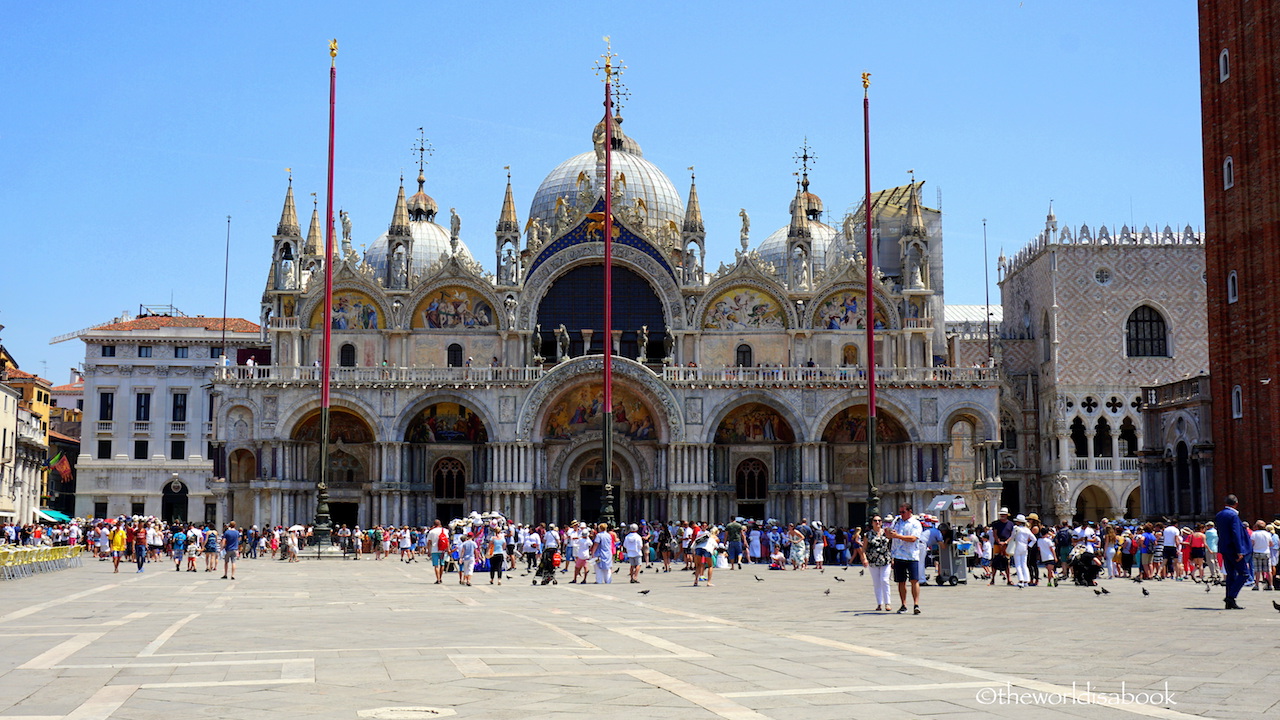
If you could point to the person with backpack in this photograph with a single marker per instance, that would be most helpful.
(438, 542)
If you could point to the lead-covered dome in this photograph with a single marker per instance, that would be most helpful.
(774, 247)
(643, 179)
(430, 243)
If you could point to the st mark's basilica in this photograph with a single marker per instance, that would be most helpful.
(739, 387)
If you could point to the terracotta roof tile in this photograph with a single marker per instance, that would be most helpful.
(157, 322)
(13, 373)
(64, 438)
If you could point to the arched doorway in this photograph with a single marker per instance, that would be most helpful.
(751, 481)
(846, 436)
(440, 435)
(749, 431)
(243, 465)
(1092, 504)
(173, 504)
(352, 460)
(591, 489)
(1133, 506)
(449, 486)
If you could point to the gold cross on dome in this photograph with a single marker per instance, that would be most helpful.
(610, 70)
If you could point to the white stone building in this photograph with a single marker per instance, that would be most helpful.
(1090, 317)
(148, 414)
(9, 398)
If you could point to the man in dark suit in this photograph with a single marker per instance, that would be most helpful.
(1233, 545)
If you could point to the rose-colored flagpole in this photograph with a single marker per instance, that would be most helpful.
(607, 510)
(873, 491)
(322, 528)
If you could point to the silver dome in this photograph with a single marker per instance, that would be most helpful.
(644, 179)
(430, 243)
(774, 247)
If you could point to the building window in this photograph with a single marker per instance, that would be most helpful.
(752, 480)
(210, 513)
(1046, 339)
(1224, 65)
(216, 352)
(179, 413)
(1228, 173)
(454, 358)
(1237, 402)
(347, 355)
(142, 407)
(108, 351)
(1233, 287)
(450, 479)
(177, 449)
(743, 356)
(1268, 483)
(100, 509)
(104, 449)
(106, 406)
(1102, 276)
(140, 448)
(181, 352)
(138, 509)
(144, 351)
(1147, 333)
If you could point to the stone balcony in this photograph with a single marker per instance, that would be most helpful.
(1084, 464)
(807, 377)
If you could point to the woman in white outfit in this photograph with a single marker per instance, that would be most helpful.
(1020, 541)
(875, 556)
(602, 555)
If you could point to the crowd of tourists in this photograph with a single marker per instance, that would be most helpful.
(1019, 551)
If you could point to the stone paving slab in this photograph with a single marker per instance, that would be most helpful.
(328, 640)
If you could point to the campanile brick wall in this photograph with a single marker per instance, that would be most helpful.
(1242, 227)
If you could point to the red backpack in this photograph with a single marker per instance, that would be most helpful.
(442, 545)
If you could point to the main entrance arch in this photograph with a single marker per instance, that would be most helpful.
(173, 504)
(443, 451)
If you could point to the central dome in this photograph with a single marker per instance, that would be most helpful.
(644, 180)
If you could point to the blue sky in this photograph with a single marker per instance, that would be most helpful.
(131, 131)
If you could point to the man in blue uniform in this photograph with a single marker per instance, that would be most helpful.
(1233, 544)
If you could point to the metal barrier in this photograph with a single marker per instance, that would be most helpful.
(23, 561)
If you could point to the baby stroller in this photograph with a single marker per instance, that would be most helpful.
(1085, 567)
(547, 568)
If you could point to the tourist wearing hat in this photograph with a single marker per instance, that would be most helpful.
(1211, 556)
(1001, 531)
(1021, 541)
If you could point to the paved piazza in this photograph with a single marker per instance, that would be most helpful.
(333, 639)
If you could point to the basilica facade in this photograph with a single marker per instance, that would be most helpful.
(739, 389)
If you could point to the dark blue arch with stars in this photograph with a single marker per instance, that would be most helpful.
(578, 235)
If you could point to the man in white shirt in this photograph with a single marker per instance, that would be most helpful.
(905, 532)
(1172, 543)
(532, 547)
(438, 549)
(632, 544)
